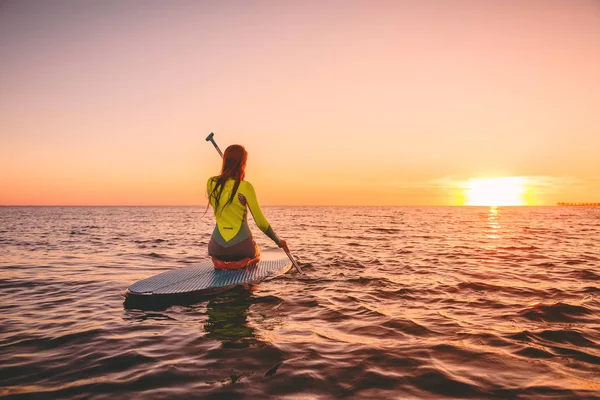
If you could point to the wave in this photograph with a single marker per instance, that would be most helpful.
(557, 312)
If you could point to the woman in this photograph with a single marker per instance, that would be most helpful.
(231, 245)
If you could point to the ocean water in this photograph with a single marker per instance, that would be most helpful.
(405, 302)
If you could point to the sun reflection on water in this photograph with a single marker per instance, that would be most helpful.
(493, 223)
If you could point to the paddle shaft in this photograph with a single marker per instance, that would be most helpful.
(294, 263)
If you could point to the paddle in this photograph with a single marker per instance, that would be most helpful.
(209, 138)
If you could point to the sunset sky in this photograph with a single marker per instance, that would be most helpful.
(337, 102)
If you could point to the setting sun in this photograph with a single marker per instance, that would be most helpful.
(508, 191)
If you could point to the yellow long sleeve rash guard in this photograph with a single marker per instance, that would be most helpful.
(232, 222)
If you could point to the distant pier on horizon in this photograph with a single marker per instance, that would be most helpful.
(578, 204)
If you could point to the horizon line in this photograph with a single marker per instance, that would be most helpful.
(276, 205)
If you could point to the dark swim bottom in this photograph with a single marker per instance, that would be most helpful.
(243, 263)
(244, 249)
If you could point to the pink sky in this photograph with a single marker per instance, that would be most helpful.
(337, 102)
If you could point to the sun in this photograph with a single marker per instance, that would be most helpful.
(509, 191)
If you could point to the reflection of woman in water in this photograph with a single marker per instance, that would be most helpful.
(230, 197)
(228, 321)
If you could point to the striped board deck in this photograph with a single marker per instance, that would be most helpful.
(202, 278)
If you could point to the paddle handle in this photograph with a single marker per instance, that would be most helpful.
(209, 138)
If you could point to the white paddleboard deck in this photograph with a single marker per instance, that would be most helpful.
(204, 278)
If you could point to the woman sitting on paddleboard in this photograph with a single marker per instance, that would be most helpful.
(231, 244)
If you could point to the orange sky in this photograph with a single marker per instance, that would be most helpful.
(337, 102)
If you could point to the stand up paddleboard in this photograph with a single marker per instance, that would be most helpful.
(203, 278)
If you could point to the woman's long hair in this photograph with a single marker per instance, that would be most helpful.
(234, 167)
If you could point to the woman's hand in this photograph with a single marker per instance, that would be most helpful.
(283, 245)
